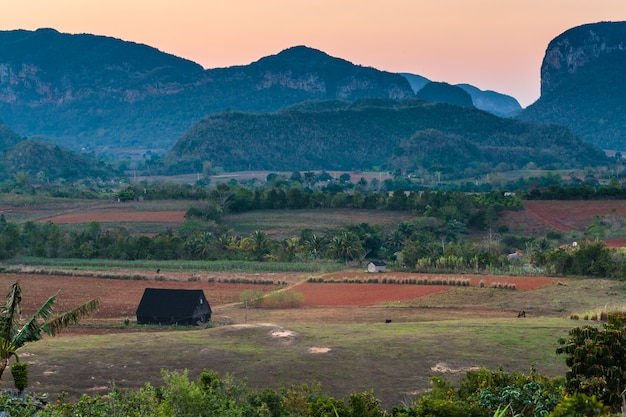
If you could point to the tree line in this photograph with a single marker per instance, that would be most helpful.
(423, 244)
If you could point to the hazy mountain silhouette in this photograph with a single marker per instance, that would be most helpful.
(499, 104)
(437, 92)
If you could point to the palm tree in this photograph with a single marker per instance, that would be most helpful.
(315, 244)
(261, 244)
(293, 246)
(14, 334)
(346, 245)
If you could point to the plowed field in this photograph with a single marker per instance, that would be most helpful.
(569, 215)
(120, 298)
(119, 216)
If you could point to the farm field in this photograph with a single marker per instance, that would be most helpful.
(155, 216)
(282, 224)
(71, 211)
(346, 345)
(566, 215)
(338, 336)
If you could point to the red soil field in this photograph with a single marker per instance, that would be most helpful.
(566, 215)
(322, 295)
(119, 298)
(119, 216)
(352, 294)
(521, 282)
(616, 243)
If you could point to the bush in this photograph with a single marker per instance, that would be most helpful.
(580, 405)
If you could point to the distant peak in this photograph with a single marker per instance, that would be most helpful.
(46, 30)
(301, 50)
(299, 55)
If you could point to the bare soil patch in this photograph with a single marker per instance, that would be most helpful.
(119, 298)
(521, 282)
(616, 243)
(361, 294)
(118, 216)
(566, 215)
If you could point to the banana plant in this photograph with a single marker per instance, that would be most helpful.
(14, 333)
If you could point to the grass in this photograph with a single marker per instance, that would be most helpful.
(395, 360)
(178, 265)
(282, 224)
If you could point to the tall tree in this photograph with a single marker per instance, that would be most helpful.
(597, 361)
(345, 245)
(14, 334)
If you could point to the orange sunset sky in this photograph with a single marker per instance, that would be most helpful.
(492, 44)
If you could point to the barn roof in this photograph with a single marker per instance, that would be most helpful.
(170, 302)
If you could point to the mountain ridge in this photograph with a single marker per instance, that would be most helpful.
(86, 90)
(102, 93)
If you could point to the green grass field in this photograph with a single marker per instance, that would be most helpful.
(282, 224)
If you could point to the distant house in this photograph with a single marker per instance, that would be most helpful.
(376, 266)
(173, 306)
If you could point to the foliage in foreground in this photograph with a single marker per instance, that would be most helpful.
(597, 360)
(481, 393)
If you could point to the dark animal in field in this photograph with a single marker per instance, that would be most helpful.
(522, 313)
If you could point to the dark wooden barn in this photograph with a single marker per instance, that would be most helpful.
(173, 306)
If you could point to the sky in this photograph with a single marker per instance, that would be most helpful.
(492, 44)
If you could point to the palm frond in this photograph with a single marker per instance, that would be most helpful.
(11, 311)
(6, 349)
(31, 330)
(57, 324)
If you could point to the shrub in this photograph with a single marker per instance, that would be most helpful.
(580, 405)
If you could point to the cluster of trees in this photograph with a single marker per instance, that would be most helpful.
(584, 191)
(445, 218)
(281, 193)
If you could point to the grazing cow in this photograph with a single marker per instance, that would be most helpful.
(388, 321)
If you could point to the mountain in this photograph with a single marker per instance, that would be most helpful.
(8, 138)
(409, 135)
(496, 103)
(50, 162)
(417, 82)
(583, 79)
(437, 92)
(96, 92)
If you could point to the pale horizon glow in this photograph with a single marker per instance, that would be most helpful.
(491, 44)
